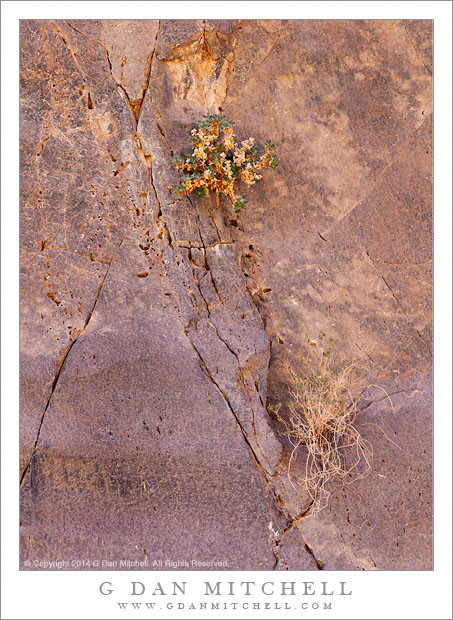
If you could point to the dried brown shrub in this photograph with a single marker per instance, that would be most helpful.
(322, 415)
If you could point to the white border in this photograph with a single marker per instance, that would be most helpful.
(376, 594)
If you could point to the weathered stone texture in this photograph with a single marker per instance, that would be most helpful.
(156, 329)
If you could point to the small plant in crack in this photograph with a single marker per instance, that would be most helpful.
(322, 414)
(217, 161)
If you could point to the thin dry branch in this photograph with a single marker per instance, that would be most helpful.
(322, 414)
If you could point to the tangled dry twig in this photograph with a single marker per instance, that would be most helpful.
(322, 414)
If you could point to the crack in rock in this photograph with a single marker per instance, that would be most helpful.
(395, 297)
(291, 523)
(309, 550)
(62, 359)
(135, 105)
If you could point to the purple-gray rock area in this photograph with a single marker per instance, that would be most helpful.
(157, 328)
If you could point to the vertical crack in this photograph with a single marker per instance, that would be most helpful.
(149, 66)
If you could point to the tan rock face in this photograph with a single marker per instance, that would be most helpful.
(156, 329)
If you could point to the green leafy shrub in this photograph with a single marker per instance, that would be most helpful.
(216, 161)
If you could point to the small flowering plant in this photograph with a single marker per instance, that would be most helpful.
(217, 161)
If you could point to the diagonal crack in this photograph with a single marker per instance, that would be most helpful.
(398, 149)
(395, 298)
(309, 550)
(205, 369)
(378, 400)
(71, 51)
(266, 56)
(63, 357)
(225, 342)
(291, 523)
(366, 352)
(415, 50)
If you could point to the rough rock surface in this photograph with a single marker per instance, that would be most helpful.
(155, 329)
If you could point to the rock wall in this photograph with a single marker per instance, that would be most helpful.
(156, 328)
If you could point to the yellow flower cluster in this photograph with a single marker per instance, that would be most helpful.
(217, 162)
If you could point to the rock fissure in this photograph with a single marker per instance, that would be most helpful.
(84, 34)
(138, 104)
(71, 51)
(399, 304)
(395, 298)
(62, 359)
(162, 133)
(309, 550)
(291, 522)
(40, 148)
(366, 352)
(378, 400)
(135, 105)
(239, 379)
(205, 369)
